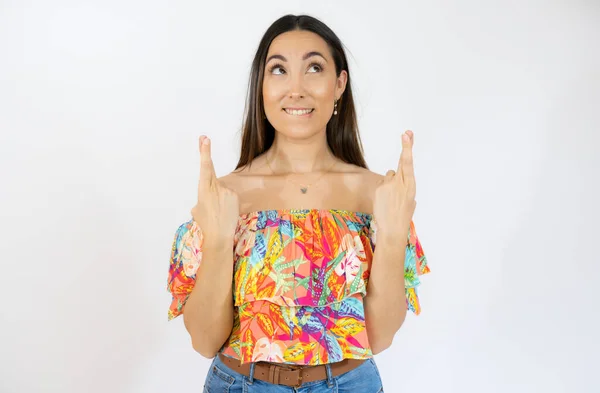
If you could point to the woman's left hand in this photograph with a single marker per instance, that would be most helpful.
(394, 203)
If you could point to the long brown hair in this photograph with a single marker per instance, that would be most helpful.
(342, 130)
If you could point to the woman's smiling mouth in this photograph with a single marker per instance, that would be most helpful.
(299, 111)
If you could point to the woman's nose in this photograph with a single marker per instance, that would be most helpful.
(296, 95)
(296, 87)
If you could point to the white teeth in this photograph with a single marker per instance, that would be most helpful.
(298, 112)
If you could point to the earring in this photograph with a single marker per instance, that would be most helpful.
(335, 107)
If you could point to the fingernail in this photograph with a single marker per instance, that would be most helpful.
(405, 137)
(205, 141)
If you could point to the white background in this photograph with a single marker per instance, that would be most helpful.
(101, 105)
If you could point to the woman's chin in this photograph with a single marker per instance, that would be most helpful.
(293, 130)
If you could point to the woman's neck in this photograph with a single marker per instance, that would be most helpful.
(300, 155)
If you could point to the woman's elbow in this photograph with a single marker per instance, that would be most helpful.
(380, 345)
(207, 351)
(383, 339)
(201, 341)
(204, 345)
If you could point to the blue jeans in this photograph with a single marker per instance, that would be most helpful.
(364, 379)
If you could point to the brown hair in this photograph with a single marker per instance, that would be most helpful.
(342, 130)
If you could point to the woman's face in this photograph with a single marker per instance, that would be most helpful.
(300, 84)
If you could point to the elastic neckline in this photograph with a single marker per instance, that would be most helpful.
(304, 211)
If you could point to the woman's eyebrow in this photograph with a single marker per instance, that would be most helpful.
(306, 56)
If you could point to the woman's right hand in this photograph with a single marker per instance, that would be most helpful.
(217, 210)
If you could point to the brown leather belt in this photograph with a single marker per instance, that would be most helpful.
(289, 374)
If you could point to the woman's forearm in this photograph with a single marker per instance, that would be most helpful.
(208, 313)
(385, 303)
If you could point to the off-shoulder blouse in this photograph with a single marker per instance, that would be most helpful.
(300, 276)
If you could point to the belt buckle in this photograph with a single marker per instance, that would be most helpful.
(299, 383)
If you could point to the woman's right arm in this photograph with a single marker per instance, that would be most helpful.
(208, 314)
(206, 280)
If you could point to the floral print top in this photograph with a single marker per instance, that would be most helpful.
(299, 281)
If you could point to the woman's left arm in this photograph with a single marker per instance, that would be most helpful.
(393, 206)
(385, 303)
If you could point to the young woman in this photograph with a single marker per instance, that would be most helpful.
(278, 275)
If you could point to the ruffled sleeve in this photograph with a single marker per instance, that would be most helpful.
(186, 255)
(415, 265)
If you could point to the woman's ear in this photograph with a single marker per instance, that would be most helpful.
(340, 86)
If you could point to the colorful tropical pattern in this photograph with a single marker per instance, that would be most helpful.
(299, 281)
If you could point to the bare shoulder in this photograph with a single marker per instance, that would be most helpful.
(364, 176)
(230, 180)
(361, 182)
(372, 178)
(246, 177)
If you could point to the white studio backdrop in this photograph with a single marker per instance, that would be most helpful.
(101, 105)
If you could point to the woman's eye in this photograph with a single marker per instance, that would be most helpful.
(277, 70)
